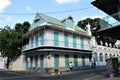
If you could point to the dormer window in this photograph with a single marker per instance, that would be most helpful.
(70, 23)
(36, 20)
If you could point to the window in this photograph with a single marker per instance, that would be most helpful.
(36, 22)
(56, 40)
(70, 23)
(113, 55)
(101, 56)
(74, 41)
(66, 40)
(110, 55)
(106, 56)
(117, 55)
(95, 58)
(82, 43)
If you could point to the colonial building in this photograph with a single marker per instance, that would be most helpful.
(51, 44)
(101, 53)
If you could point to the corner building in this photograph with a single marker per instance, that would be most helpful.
(51, 44)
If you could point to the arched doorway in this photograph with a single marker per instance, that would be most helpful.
(106, 56)
(101, 57)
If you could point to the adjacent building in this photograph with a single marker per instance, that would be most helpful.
(51, 44)
(101, 53)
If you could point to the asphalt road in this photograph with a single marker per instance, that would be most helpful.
(5, 75)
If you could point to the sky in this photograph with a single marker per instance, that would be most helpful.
(18, 11)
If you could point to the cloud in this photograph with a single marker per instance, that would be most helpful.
(28, 8)
(92, 17)
(8, 19)
(66, 1)
(4, 4)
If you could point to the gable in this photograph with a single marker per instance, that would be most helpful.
(69, 22)
(37, 21)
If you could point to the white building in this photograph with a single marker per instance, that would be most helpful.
(51, 44)
(101, 53)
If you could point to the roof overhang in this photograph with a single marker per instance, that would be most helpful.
(113, 31)
(108, 6)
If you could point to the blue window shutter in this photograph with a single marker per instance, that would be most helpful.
(70, 23)
(36, 63)
(75, 62)
(36, 40)
(32, 42)
(31, 62)
(74, 41)
(66, 40)
(42, 39)
(26, 63)
(82, 43)
(56, 61)
(66, 62)
(42, 63)
(56, 40)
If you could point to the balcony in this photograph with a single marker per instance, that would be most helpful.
(60, 44)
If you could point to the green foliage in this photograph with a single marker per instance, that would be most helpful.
(11, 40)
(95, 26)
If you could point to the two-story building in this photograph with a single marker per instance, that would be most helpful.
(52, 44)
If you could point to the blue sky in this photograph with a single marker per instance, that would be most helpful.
(32, 7)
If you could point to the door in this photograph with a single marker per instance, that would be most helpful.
(66, 62)
(36, 63)
(31, 62)
(83, 60)
(56, 61)
(42, 63)
(26, 63)
(75, 62)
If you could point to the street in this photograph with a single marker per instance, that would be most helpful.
(6, 75)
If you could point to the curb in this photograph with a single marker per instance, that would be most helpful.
(99, 77)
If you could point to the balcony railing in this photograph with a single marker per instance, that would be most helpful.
(110, 21)
(60, 44)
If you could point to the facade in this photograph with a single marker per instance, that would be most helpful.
(51, 44)
(101, 53)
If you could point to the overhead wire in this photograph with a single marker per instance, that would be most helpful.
(63, 11)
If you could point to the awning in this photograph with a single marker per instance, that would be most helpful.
(113, 32)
